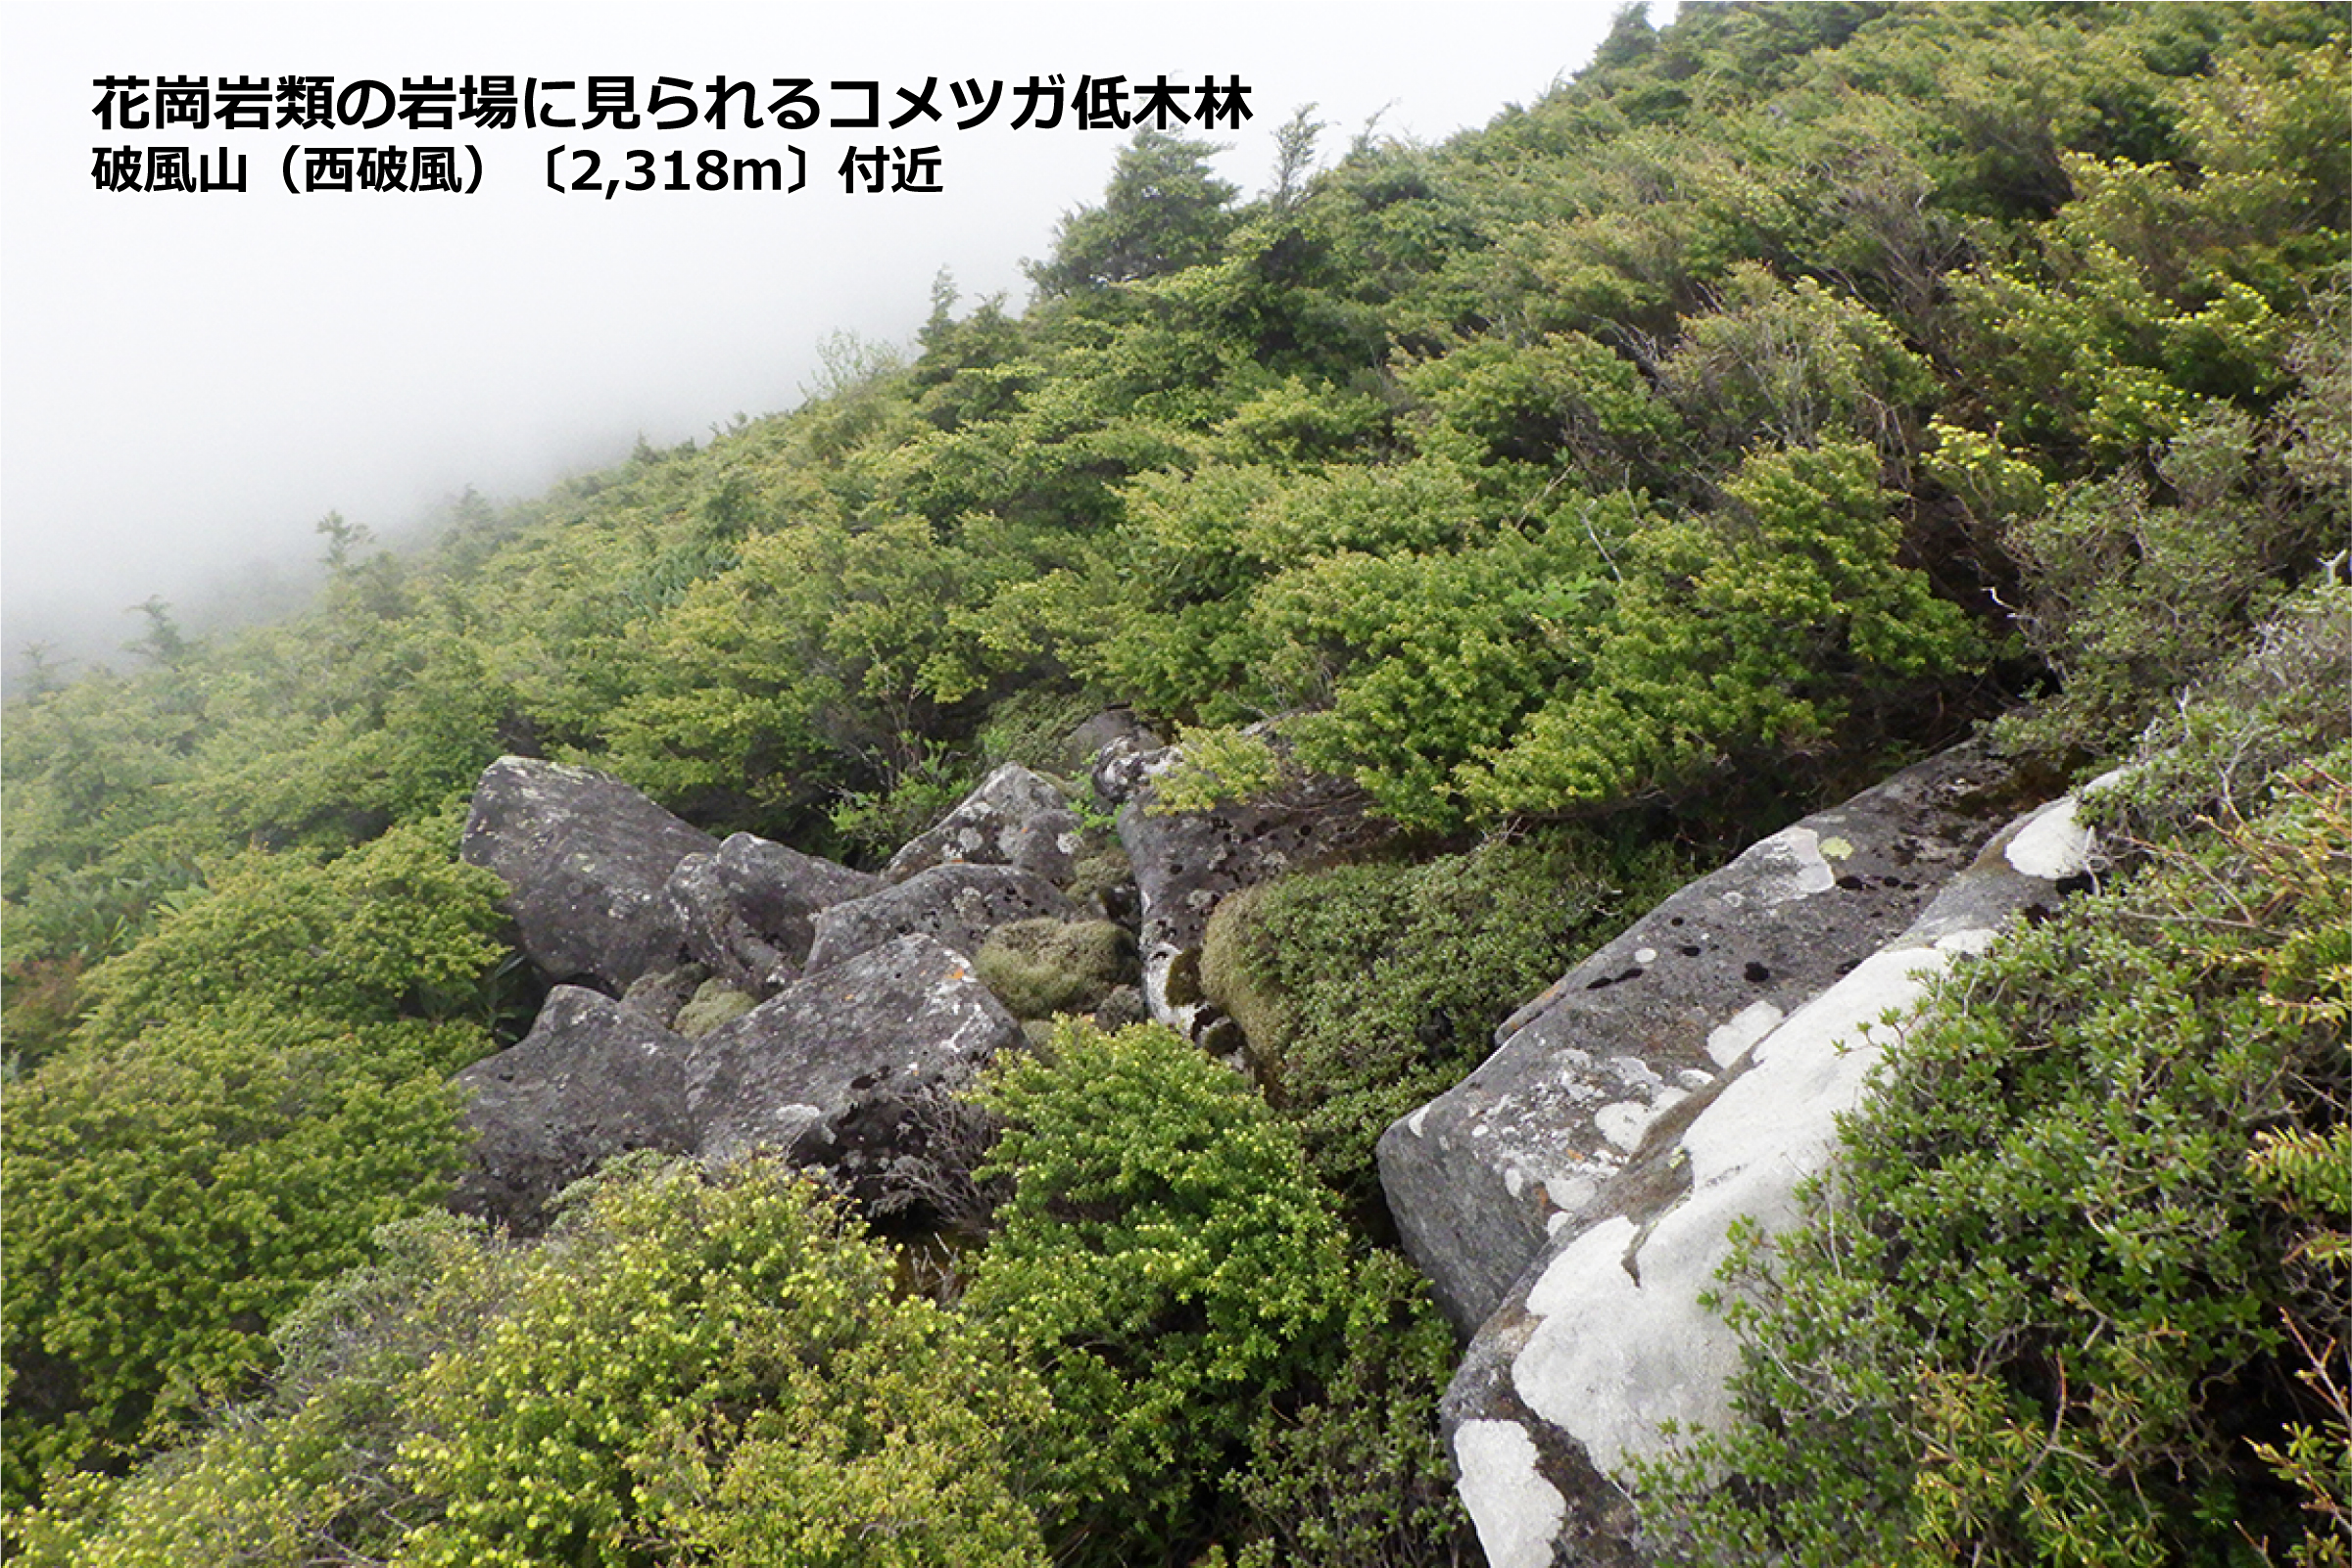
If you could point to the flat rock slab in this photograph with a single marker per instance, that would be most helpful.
(594, 1078)
(852, 1067)
(1480, 1178)
(585, 859)
(1603, 1341)
(956, 905)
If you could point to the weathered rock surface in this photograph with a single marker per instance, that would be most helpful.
(1185, 862)
(851, 1069)
(586, 859)
(957, 905)
(594, 1078)
(748, 911)
(1601, 1340)
(849, 1072)
(1480, 1177)
(1017, 818)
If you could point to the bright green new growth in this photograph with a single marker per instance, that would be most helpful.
(254, 1093)
(708, 1368)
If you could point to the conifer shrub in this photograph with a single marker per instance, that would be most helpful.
(258, 1085)
(1222, 1369)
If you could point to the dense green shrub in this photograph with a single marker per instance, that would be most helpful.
(1358, 1476)
(1365, 990)
(1168, 1264)
(690, 1367)
(260, 1084)
(2052, 1307)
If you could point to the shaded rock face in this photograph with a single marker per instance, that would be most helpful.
(849, 1072)
(1015, 818)
(594, 1078)
(957, 905)
(747, 913)
(1481, 1178)
(1186, 862)
(1601, 1340)
(586, 860)
(854, 1069)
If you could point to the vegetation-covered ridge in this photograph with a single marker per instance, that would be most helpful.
(1798, 387)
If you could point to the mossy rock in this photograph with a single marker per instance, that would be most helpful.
(716, 1002)
(1236, 974)
(1039, 968)
(1103, 874)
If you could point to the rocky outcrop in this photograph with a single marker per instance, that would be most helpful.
(852, 1070)
(586, 860)
(1599, 1339)
(1481, 1178)
(1015, 818)
(848, 1071)
(957, 905)
(594, 1078)
(748, 911)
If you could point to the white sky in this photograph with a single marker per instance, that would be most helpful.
(189, 382)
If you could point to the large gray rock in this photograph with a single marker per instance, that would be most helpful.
(1015, 818)
(1481, 1178)
(585, 859)
(748, 911)
(852, 1069)
(1603, 1341)
(594, 1078)
(1185, 863)
(851, 1072)
(957, 905)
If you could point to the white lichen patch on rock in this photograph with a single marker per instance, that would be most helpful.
(1515, 1509)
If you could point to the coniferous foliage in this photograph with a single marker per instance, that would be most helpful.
(1792, 392)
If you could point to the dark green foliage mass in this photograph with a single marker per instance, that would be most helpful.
(1221, 1367)
(258, 1086)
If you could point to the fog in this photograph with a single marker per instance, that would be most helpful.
(189, 381)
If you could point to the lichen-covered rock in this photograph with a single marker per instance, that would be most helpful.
(1602, 1343)
(1480, 1177)
(585, 859)
(957, 905)
(852, 1069)
(594, 1078)
(1185, 862)
(748, 911)
(1017, 818)
(660, 994)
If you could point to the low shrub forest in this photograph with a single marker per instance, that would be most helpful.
(1796, 391)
